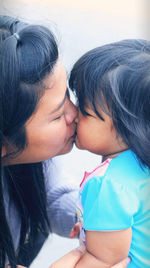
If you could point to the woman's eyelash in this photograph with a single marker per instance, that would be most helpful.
(58, 117)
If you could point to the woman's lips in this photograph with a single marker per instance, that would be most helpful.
(73, 136)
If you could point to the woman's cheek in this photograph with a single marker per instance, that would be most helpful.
(60, 130)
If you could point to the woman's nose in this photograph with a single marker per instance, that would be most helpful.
(71, 112)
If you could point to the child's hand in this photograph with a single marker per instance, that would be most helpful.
(75, 230)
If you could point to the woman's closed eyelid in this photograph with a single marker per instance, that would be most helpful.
(64, 106)
(60, 116)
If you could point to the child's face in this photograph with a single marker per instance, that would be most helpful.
(95, 135)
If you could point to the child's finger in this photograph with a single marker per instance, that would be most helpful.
(18, 266)
(73, 233)
(75, 230)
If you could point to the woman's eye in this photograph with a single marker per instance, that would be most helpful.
(59, 117)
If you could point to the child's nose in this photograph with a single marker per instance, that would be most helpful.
(71, 112)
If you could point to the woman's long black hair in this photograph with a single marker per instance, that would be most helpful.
(27, 54)
(118, 75)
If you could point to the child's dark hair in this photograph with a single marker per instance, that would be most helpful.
(118, 75)
(28, 53)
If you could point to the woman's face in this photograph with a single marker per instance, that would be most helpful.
(50, 130)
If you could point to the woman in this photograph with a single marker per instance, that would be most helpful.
(37, 123)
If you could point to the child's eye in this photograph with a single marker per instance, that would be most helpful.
(86, 113)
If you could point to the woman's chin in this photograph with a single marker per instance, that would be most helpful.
(67, 148)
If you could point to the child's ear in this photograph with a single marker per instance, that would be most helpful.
(113, 131)
(112, 125)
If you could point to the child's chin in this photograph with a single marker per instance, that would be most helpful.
(78, 145)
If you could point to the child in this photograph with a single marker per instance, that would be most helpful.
(112, 85)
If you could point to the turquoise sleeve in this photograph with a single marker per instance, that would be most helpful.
(107, 205)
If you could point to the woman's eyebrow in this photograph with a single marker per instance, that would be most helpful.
(61, 104)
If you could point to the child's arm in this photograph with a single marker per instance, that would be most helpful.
(70, 260)
(104, 249)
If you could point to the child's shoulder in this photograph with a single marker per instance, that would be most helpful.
(126, 166)
(125, 170)
(98, 172)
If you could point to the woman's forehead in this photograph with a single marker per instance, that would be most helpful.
(55, 90)
(58, 72)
